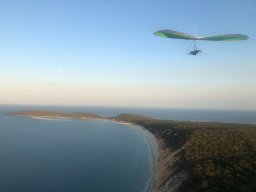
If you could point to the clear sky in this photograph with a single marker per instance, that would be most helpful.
(104, 53)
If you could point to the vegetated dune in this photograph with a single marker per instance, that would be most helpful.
(195, 156)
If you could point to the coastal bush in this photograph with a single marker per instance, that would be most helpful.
(211, 156)
(223, 159)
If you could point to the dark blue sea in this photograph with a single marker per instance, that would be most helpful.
(73, 156)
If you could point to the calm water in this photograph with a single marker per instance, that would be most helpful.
(73, 155)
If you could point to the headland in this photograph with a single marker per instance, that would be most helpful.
(192, 156)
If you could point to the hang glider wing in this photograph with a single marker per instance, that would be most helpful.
(226, 37)
(174, 34)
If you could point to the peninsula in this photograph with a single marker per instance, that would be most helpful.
(56, 115)
(192, 156)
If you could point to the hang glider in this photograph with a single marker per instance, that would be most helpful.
(178, 35)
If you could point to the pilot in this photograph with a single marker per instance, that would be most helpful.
(194, 52)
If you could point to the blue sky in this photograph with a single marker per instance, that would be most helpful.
(104, 53)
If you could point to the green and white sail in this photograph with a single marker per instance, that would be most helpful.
(178, 35)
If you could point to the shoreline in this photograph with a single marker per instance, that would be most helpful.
(151, 184)
(150, 187)
(153, 148)
(47, 118)
(179, 152)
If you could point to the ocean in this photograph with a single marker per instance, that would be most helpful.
(73, 155)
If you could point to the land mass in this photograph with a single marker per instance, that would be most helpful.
(192, 156)
(48, 114)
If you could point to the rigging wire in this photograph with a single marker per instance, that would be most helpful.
(190, 47)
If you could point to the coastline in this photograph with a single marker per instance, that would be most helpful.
(151, 142)
(179, 154)
(155, 179)
(153, 149)
(47, 118)
(44, 118)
